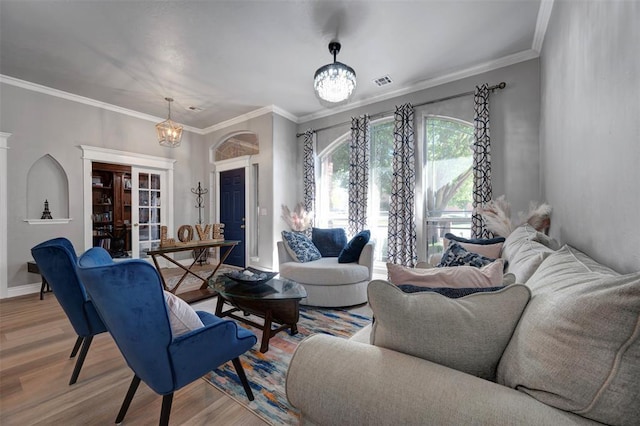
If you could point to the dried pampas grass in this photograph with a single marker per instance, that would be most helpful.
(497, 216)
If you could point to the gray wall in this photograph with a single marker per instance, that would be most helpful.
(42, 124)
(590, 128)
(515, 115)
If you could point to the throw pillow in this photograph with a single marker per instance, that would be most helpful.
(329, 242)
(457, 276)
(479, 241)
(456, 255)
(468, 334)
(351, 252)
(452, 293)
(577, 347)
(490, 248)
(300, 247)
(182, 317)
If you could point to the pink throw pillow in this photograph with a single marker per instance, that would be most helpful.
(456, 276)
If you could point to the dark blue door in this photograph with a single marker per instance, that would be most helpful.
(232, 214)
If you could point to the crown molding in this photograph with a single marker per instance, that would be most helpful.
(34, 87)
(515, 58)
(251, 114)
(544, 14)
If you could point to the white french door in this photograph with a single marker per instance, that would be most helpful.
(147, 214)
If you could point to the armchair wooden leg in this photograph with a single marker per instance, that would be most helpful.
(76, 346)
(166, 409)
(243, 378)
(83, 353)
(133, 387)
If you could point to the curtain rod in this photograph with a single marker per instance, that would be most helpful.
(500, 85)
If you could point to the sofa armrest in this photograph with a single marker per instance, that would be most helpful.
(366, 257)
(334, 381)
(283, 254)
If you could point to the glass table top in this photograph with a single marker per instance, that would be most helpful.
(274, 289)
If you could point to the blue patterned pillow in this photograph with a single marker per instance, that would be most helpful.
(452, 293)
(456, 255)
(300, 247)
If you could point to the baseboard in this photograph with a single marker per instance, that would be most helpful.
(23, 290)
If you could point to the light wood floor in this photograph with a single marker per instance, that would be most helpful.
(36, 339)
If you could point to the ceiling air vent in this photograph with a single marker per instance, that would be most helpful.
(382, 81)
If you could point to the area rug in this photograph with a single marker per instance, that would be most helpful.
(266, 372)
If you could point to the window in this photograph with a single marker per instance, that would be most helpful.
(448, 179)
(447, 175)
(333, 193)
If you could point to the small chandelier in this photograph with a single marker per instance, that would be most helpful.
(334, 82)
(169, 132)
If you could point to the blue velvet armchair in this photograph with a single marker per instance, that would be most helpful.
(129, 297)
(56, 260)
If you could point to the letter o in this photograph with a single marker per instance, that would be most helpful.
(185, 229)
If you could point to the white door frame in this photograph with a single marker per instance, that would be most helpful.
(4, 205)
(105, 155)
(243, 162)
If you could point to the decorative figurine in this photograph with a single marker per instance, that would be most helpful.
(46, 214)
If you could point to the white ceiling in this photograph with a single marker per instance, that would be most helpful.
(233, 57)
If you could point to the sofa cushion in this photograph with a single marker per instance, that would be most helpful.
(577, 346)
(300, 247)
(527, 260)
(468, 334)
(490, 248)
(329, 242)
(324, 271)
(182, 317)
(520, 236)
(456, 255)
(351, 252)
(456, 276)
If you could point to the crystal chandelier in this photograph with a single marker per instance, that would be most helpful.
(334, 82)
(169, 132)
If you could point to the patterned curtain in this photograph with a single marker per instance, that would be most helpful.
(402, 226)
(482, 191)
(358, 173)
(309, 172)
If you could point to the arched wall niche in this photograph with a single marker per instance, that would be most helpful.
(236, 145)
(47, 180)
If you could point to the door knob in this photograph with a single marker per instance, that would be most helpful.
(242, 226)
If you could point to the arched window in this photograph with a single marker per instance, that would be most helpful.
(333, 187)
(447, 182)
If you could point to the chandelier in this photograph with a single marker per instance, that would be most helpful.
(169, 132)
(334, 82)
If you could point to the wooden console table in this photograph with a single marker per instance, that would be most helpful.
(204, 291)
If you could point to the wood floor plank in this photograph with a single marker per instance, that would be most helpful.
(36, 340)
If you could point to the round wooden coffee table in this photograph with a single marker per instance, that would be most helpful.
(277, 301)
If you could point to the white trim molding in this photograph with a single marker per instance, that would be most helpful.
(544, 14)
(243, 162)
(4, 205)
(34, 87)
(105, 155)
(48, 221)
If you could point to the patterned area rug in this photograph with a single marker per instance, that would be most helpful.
(266, 372)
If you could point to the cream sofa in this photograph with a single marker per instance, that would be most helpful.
(573, 357)
(329, 283)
